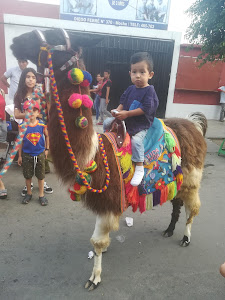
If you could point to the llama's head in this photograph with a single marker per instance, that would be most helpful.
(72, 82)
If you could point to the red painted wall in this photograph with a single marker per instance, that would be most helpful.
(196, 85)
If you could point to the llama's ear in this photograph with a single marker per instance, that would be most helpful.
(81, 40)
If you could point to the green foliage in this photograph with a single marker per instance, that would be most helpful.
(208, 28)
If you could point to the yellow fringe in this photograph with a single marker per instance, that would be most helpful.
(179, 177)
(149, 201)
(126, 162)
(171, 190)
(129, 177)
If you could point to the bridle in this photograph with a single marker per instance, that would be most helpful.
(42, 59)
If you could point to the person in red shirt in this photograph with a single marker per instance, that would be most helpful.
(3, 126)
(3, 135)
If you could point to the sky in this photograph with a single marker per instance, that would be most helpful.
(178, 20)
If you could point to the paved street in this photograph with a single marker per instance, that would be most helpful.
(43, 252)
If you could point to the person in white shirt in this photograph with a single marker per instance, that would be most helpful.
(222, 102)
(14, 75)
(161, 10)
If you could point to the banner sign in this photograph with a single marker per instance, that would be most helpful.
(149, 14)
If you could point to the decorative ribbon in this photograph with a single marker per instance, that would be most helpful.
(19, 138)
(64, 131)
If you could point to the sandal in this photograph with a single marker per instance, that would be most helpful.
(3, 194)
(26, 199)
(43, 201)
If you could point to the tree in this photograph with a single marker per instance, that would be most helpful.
(208, 28)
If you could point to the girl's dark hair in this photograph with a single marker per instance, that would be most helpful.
(22, 88)
(142, 56)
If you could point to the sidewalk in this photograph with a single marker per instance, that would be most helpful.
(216, 130)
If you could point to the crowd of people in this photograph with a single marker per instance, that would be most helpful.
(35, 146)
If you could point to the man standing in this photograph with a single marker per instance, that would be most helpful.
(14, 75)
(222, 102)
(104, 101)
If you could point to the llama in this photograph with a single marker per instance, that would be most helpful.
(84, 143)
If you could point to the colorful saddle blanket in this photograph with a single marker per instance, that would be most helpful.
(163, 174)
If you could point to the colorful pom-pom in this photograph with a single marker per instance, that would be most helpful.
(87, 101)
(75, 76)
(91, 167)
(80, 181)
(81, 122)
(79, 189)
(75, 100)
(87, 79)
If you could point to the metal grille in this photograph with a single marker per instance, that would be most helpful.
(114, 53)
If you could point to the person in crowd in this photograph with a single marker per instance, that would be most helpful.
(25, 89)
(3, 125)
(97, 90)
(222, 102)
(13, 74)
(33, 152)
(104, 101)
(138, 106)
(3, 136)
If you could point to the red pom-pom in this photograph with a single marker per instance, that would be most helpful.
(87, 101)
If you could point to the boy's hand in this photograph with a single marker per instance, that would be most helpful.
(122, 115)
(19, 161)
(46, 153)
(114, 112)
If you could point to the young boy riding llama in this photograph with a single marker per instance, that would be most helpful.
(138, 106)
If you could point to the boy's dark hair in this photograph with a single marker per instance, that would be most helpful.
(107, 70)
(142, 56)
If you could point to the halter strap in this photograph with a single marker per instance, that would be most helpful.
(42, 59)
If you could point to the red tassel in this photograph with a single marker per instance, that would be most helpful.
(142, 203)
(164, 195)
(177, 152)
(132, 196)
(72, 196)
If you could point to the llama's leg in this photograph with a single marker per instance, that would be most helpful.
(192, 204)
(100, 240)
(177, 203)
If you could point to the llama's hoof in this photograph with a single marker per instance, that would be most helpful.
(91, 285)
(167, 233)
(185, 241)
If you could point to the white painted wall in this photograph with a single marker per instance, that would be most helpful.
(17, 25)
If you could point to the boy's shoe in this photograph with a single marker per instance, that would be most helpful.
(24, 191)
(26, 199)
(99, 123)
(47, 189)
(138, 176)
(43, 201)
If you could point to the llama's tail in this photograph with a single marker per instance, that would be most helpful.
(199, 120)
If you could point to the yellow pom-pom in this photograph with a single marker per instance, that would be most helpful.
(91, 167)
(75, 76)
(79, 189)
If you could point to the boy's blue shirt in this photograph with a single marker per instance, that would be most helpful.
(34, 140)
(144, 98)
